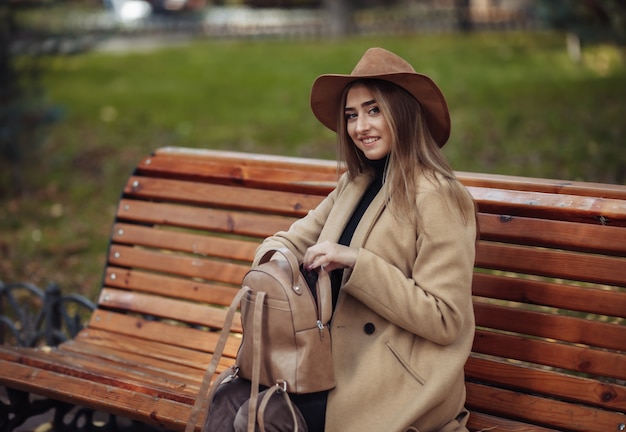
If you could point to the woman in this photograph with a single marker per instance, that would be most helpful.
(398, 236)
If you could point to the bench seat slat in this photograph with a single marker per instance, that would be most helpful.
(143, 369)
(160, 284)
(610, 302)
(179, 336)
(183, 265)
(229, 248)
(168, 308)
(145, 358)
(118, 401)
(551, 326)
(552, 263)
(577, 358)
(100, 340)
(547, 412)
(229, 222)
(135, 365)
(549, 383)
(551, 233)
(136, 370)
(98, 370)
(221, 196)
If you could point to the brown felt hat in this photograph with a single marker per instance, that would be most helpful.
(378, 63)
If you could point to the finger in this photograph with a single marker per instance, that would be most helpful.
(311, 261)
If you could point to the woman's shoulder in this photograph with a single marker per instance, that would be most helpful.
(427, 182)
(346, 179)
(437, 184)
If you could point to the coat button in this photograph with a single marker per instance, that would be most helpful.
(369, 328)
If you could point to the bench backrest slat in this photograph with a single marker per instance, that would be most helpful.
(187, 266)
(485, 422)
(556, 295)
(571, 357)
(231, 222)
(575, 236)
(152, 330)
(222, 196)
(189, 289)
(570, 387)
(167, 308)
(551, 186)
(572, 208)
(552, 263)
(157, 237)
(550, 325)
(529, 407)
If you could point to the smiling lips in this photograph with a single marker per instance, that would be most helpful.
(369, 140)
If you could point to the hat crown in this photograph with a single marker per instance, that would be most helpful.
(378, 61)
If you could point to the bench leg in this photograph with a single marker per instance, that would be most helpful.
(20, 408)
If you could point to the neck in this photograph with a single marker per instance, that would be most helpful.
(378, 166)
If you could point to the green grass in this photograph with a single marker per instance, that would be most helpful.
(519, 106)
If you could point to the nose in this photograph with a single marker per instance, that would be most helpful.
(362, 124)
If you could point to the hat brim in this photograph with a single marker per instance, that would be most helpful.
(327, 91)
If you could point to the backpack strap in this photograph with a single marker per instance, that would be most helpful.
(289, 257)
(266, 398)
(253, 412)
(217, 355)
(257, 321)
(256, 358)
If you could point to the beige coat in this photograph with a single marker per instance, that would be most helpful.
(404, 323)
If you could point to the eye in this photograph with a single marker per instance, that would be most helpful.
(350, 115)
(374, 110)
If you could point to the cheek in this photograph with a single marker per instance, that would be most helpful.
(382, 125)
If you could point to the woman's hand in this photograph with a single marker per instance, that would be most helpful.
(329, 256)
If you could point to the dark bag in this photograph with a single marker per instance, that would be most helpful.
(286, 340)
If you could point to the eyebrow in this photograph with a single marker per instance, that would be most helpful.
(364, 104)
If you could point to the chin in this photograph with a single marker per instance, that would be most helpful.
(375, 155)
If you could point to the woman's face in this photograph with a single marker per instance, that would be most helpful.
(366, 124)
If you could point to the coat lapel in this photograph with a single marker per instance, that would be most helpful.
(367, 221)
(344, 207)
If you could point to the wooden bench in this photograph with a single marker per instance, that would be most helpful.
(550, 292)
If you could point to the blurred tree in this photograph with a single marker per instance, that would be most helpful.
(589, 20)
(464, 23)
(23, 111)
(282, 3)
(340, 16)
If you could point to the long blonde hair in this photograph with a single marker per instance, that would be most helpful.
(413, 149)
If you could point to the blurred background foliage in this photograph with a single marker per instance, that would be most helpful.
(536, 90)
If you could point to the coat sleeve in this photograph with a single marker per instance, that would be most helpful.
(304, 232)
(433, 301)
